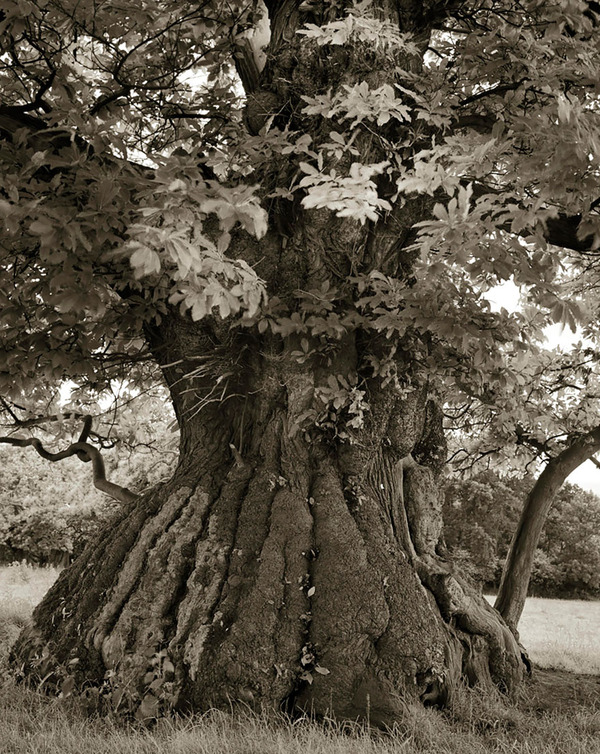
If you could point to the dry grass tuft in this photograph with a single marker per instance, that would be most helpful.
(32, 724)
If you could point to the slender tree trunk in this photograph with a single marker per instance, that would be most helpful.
(519, 561)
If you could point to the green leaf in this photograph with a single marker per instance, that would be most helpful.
(148, 709)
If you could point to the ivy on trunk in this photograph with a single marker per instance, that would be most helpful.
(280, 567)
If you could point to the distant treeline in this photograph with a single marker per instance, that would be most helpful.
(480, 516)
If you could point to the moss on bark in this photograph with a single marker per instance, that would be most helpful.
(301, 574)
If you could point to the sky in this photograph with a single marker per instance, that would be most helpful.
(587, 476)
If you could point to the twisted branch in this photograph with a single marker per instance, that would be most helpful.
(86, 453)
(37, 421)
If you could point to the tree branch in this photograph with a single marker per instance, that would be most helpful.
(562, 231)
(523, 438)
(37, 421)
(85, 452)
(559, 231)
(498, 89)
(41, 136)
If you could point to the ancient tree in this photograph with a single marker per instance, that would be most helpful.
(294, 210)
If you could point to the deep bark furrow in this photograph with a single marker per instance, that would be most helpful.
(141, 629)
(411, 650)
(136, 640)
(269, 523)
(198, 611)
(187, 566)
(348, 609)
(131, 572)
(80, 592)
(253, 521)
(226, 564)
(264, 631)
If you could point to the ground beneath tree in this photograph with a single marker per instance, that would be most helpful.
(552, 690)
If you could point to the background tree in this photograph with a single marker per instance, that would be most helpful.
(570, 539)
(480, 517)
(300, 237)
(48, 511)
(519, 563)
(549, 421)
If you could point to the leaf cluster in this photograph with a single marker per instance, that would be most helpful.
(131, 184)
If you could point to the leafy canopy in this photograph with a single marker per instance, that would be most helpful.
(132, 175)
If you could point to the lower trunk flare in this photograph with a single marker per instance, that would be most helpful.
(291, 578)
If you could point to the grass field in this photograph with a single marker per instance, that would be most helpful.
(562, 634)
(21, 588)
(558, 713)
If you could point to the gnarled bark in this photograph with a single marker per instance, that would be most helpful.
(285, 565)
(278, 567)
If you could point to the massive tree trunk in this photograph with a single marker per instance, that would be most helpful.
(277, 567)
(288, 564)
